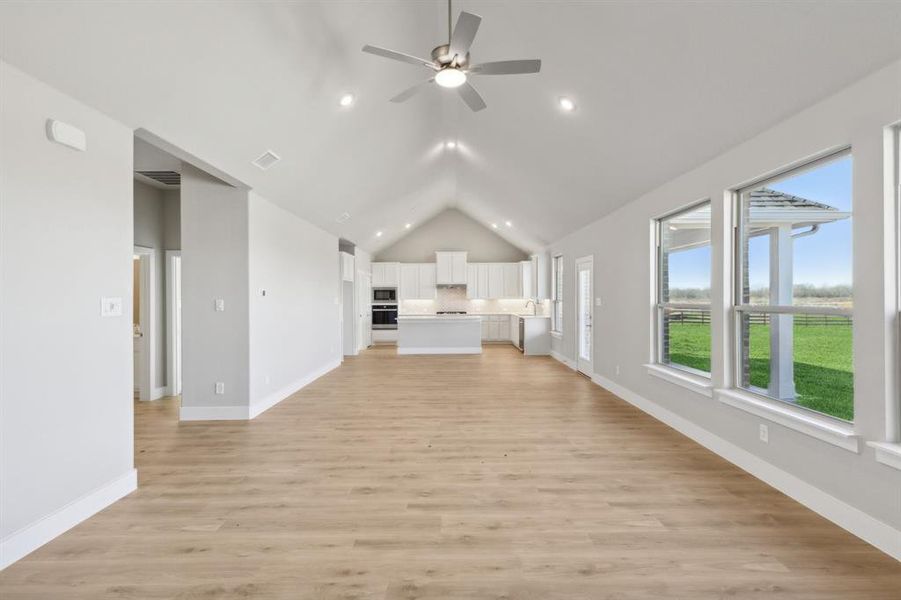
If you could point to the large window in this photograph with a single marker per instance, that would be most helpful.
(557, 296)
(793, 313)
(683, 289)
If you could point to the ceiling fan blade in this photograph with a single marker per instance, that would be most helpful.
(464, 32)
(394, 55)
(411, 91)
(471, 97)
(506, 67)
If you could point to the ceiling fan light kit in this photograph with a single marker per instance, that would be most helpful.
(450, 62)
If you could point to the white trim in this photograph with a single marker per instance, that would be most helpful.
(589, 362)
(559, 357)
(28, 539)
(461, 350)
(871, 530)
(822, 428)
(695, 383)
(147, 368)
(270, 400)
(159, 392)
(214, 413)
(171, 309)
(887, 453)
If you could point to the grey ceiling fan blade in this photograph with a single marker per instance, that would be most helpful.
(395, 55)
(506, 67)
(464, 33)
(411, 91)
(471, 97)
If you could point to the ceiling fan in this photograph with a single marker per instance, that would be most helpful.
(450, 62)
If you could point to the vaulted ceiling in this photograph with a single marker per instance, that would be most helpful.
(660, 87)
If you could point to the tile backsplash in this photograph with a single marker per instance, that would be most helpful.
(454, 298)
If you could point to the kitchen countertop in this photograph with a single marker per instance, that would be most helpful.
(438, 317)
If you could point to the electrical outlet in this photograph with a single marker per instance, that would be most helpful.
(764, 434)
(220, 387)
(111, 307)
(220, 304)
(617, 369)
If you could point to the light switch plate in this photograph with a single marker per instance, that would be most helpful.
(111, 306)
(220, 387)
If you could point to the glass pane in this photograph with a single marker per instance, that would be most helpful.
(796, 238)
(685, 256)
(815, 370)
(685, 336)
(585, 308)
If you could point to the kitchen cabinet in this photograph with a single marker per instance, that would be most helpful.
(536, 335)
(417, 281)
(386, 274)
(450, 268)
(495, 280)
(495, 328)
(512, 285)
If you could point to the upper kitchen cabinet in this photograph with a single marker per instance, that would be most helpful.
(451, 268)
(512, 281)
(385, 274)
(417, 281)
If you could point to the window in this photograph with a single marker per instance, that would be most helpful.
(557, 296)
(683, 289)
(793, 295)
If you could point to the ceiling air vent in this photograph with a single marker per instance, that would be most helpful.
(164, 177)
(343, 217)
(266, 160)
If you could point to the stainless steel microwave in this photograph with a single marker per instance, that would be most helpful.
(384, 294)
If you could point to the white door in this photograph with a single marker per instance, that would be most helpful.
(364, 302)
(175, 323)
(584, 312)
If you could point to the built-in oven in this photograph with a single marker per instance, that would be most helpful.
(384, 295)
(384, 316)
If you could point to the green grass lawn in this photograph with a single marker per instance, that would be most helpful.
(824, 380)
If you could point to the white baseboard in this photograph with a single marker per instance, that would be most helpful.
(463, 350)
(274, 398)
(867, 528)
(564, 360)
(160, 392)
(214, 413)
(32, 537)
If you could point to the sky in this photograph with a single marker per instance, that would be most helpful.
(823, 258)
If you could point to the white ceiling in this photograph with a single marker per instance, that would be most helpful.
(660, 87)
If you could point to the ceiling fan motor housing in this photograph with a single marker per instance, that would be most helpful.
(441, 55)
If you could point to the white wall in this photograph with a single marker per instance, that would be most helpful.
(294, 332)
(66, 446)
(214, 240)
(157, 226)
(623, 262)
(451, 230)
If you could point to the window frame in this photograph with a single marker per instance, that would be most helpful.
(660, 306)
(556, 278)
(738, 308)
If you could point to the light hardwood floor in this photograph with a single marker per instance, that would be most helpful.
(395, 478)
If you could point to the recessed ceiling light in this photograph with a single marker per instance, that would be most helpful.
(567, 104)
(378, 234)
(408, 225)
(450, 144)
(508, 224)
(346, 100)
(494, 225)
(450, 77)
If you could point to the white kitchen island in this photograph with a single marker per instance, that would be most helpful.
(439, 334)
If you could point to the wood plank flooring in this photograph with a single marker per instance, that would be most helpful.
(493, 476)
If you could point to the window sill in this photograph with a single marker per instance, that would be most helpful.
(557, 335)
(887, 453)
(822, 428)
(695, 383)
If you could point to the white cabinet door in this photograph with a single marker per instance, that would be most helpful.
(511, 280)
(444, 268)
(503, 333)
(458, 267)
(378, 274)
(493, 330)
(495, 281)
(385, 274)
(472, 281)
(526, 279)
(409, 282)
(427, 288)
(482, 283)
(514, 330)
(485, 328)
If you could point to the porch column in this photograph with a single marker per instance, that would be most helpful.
(782, 372)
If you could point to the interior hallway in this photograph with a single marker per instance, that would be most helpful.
(493, 476)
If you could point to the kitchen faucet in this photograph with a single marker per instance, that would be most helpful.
(534, 307)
